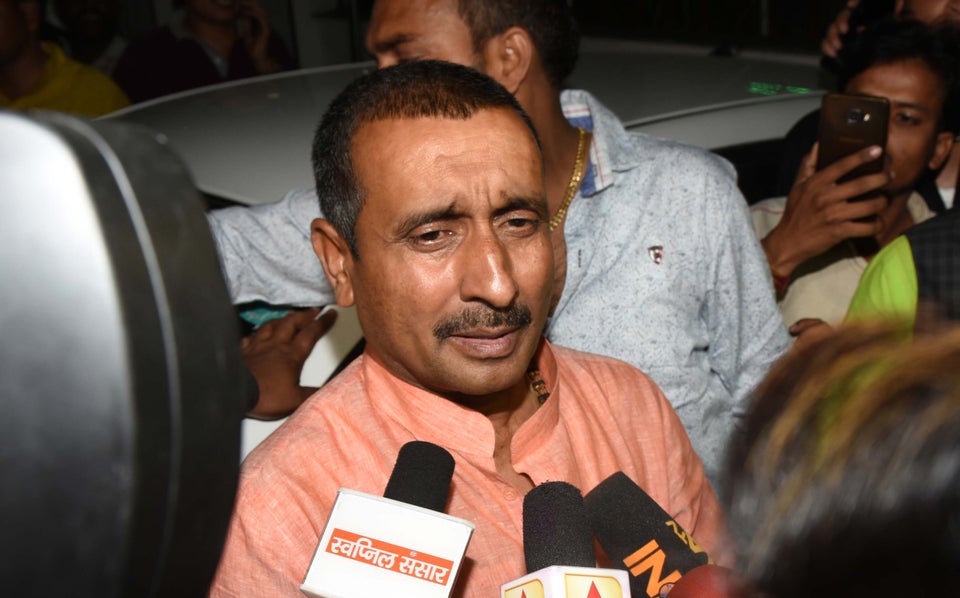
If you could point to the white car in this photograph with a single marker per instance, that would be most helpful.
(249, 142)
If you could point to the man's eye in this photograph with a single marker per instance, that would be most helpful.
(904, 118)
(430, 239)
(522, 222)
(520, 225)
(430, 236)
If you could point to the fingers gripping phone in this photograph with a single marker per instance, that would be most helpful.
(848, 124)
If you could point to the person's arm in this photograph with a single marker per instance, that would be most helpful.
(888, 287)
(833, 40)
(266, 253)
(818, 214)
(746, 331)
(275, 354)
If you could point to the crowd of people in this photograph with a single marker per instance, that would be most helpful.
(550, 297)
(71, 57)
(489, 278)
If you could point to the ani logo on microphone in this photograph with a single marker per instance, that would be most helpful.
(575, 586)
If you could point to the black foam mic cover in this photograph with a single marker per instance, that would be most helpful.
(556, 530)
(421, 476)
(638, 535)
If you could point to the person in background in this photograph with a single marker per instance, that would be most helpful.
(817, 241)
(846, 481)
(431, 177)
(936, 188)
(88, 30)
(38, 75)
(209, 42)
(656, 261)
(918, 271)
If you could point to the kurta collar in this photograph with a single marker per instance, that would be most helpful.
(435, 419)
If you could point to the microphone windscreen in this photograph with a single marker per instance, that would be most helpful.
(421, 476)
(556, 530)
(638, 535)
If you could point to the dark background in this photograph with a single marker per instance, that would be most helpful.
(775, 25)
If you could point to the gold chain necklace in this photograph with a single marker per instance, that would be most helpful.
(578, 171)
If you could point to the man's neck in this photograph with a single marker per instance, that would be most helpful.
(219, 35)
(88, 50)
(896, 219)
(23, 74)
(559, 139)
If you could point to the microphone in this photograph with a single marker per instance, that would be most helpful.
(421, 476)
(638, 535)
(558, 549)
(400, 544)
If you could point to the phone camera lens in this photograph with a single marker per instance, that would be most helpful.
(855, 116)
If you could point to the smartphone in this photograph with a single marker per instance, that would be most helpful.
(848, 124)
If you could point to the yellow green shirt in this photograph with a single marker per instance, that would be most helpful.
(888, 288)
(70, 86)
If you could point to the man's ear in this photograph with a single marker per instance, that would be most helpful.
(336, 259)
(508, 57)
(941, 150)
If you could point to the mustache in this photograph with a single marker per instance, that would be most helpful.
(483, 317)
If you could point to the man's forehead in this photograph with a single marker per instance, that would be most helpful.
(406, 142)
(395, 20)
(917, 69)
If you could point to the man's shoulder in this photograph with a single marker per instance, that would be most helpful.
(337, 404)
(582, 365)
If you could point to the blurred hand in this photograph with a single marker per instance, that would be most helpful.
(808, 331)
(832, 41)
(275, 354)
(818, 214)
(257, 37)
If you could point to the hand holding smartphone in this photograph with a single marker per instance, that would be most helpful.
(850, 123)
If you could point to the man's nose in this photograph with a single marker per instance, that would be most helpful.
(488, 272)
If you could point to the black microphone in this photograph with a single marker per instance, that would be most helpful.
(421, 476)
(555, 528)
(639, 536)
(401, 544)
(558, 549)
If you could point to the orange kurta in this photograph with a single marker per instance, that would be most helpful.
(602, 416)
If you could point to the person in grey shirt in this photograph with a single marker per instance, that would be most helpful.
(657, 262)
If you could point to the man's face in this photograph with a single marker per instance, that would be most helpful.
(405, 30)
(90, 19)
(932, 11)
(455, 268)
(916, 102)
(214, 11)
(15, 35)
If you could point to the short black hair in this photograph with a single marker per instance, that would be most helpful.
(896, 41)
(418, 89)
(845, 478)
(550, 24)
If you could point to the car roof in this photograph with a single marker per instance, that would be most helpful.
(249, 141)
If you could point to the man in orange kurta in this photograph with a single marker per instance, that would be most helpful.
(433, 180)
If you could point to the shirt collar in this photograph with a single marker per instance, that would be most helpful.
(435, 419)
(612, 148)
(180, 32)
